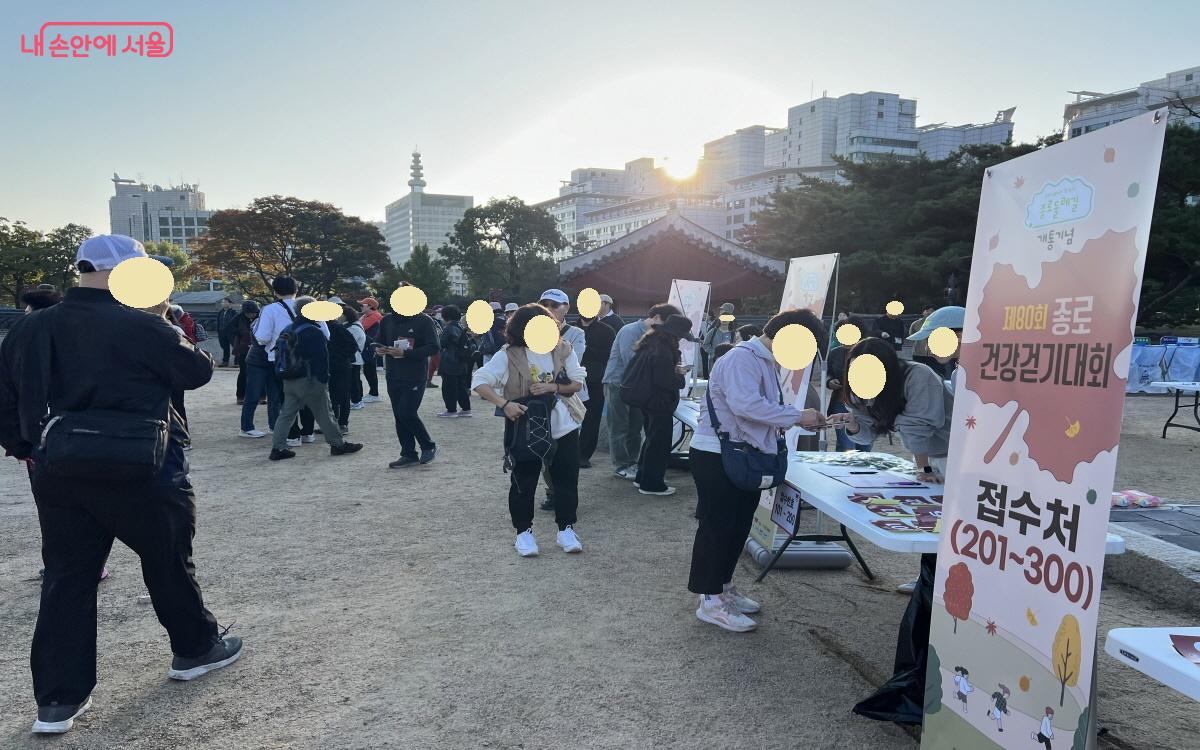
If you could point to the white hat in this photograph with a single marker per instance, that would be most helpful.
(106, 251)
(606, 298)
(511, 307)
(336, 300)
(495, 306)
(556, 295)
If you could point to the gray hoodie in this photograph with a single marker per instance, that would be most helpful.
(924, 425)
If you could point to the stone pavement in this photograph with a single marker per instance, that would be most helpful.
(1176, 524)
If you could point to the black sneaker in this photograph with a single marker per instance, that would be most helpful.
(279, 455)
(547, 504)
(57, 719)
(428, 454)
(345, 449)
(225, 651)
(403, 462)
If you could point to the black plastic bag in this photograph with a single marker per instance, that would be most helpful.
(902, 698)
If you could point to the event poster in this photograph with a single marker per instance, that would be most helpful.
(692, 298)
(1055, 278)
(806, 286)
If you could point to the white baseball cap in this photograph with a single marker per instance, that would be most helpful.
(511, 307)
(106, 251)
(556, 295)
(606, 298)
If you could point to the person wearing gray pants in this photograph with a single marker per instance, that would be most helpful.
(624, 422)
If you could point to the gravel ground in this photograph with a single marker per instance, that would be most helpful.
(383, 609)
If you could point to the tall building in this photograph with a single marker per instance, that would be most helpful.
(151, 213)
(736, 155)
(1092, 110)
(421, 218)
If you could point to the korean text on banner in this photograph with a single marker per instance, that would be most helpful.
(1059, 249)
(692, 298)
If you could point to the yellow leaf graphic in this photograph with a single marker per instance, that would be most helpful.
(1031, 617)
(1073, 429)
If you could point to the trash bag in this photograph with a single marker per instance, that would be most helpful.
(902, 698)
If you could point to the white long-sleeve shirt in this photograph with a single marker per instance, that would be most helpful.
(271, 322)
(1047, 728)
(495, 374)
(360, 338)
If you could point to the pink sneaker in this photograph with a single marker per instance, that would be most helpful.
(104, 573)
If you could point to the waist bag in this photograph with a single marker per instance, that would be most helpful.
(747, 467)
(530, 438)
(112, 446)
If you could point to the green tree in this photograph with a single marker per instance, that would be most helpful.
(430, 275)
(1171, 284)
(59, 248)
(314, 242)
(182, 265)
(28, 257)
(505, 245)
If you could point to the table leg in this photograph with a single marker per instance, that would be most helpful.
(1195, 414)
(854, 551)
(782, 548)
(1168, 424)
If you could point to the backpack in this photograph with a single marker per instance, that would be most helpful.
(530, 438)
(637, 386)
(490, 343)
(468, 345)
(289, 365)
(201, 334)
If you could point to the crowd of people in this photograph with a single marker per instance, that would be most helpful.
(310, 374)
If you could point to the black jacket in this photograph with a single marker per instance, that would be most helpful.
(599, 339)
(664, 381)
(342, 346)
(225, 323)
(422, 334)
(105, 356)
(313, 348)
(451, 343)
(614, 322)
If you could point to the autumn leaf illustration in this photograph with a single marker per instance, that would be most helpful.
(1018, 183)
(971, 423)
(1103, 268)
(991, 627)
(1029, 615)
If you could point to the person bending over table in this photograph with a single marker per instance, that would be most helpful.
(745, 391)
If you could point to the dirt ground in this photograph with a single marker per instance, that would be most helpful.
(384, 609)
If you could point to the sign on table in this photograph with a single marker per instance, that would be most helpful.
(785, 512)
(1057, 268)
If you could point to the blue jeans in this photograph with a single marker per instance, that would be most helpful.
(261, 381)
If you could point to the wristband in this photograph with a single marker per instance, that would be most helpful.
(928, 469)
(505, 405)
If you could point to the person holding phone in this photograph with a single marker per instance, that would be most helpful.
(406, 344)
(745, 391)
(658, 352)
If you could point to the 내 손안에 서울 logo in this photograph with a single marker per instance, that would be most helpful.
(77, 39)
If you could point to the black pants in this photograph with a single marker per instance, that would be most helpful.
(79, 520)
(589, 433)
(371, 372)
(406, 403)
(563, 470)
(339, 392)
(1044, 740)
(652, 464)
(455, 392)
(303, 425)
(225, 346)
(725, 514)
(356, 391)
(241, 378)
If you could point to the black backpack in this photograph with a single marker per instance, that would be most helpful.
(289, 365)
(530, 438)
(491, 343)
(638, 389)
(467, 346)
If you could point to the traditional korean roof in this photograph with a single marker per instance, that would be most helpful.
(673, 223)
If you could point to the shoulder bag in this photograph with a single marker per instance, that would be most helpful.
(747, 467)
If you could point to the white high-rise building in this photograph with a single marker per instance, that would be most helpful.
(736, 155)
(1092, 110)
(151, 213)
(421, 218)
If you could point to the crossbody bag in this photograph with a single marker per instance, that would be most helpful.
(747, 467)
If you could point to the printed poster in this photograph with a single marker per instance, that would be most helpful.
(692, 298)
(1057, 269)
(806, 287)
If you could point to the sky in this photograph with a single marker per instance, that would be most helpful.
(326, 101)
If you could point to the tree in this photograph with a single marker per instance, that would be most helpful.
(1066, 655)
(960, 590)
(181, 262)
(59, 248)
(505, 244)
(28, 258)
(430, 275)
(311, 241)
(1171, 284)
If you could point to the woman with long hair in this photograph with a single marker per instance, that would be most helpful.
(658, 352)
(512, 378)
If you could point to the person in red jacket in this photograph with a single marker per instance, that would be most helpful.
(370, 320)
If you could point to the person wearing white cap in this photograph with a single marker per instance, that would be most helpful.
(72, 377)
(559, 304)
(607, 316)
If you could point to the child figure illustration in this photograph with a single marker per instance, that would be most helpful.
(1000, 706)
(1046, 731)
(962, 682)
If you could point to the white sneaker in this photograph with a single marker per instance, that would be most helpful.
(293, 442)
(526, 545)
(723, 614)
(369, 399)
(743, 604)
(308, 439)
(448, 414)
(568, 541)
(907, 588)
(252, 434)
(660, 493)
(357, 405)
(465, 414)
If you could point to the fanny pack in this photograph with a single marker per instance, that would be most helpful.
(101, 444)
(747, 467)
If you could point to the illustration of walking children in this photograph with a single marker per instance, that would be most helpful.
(1000, 706)
(963, 684)
(1046, 732)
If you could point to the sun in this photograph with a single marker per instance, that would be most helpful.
(679, 168)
